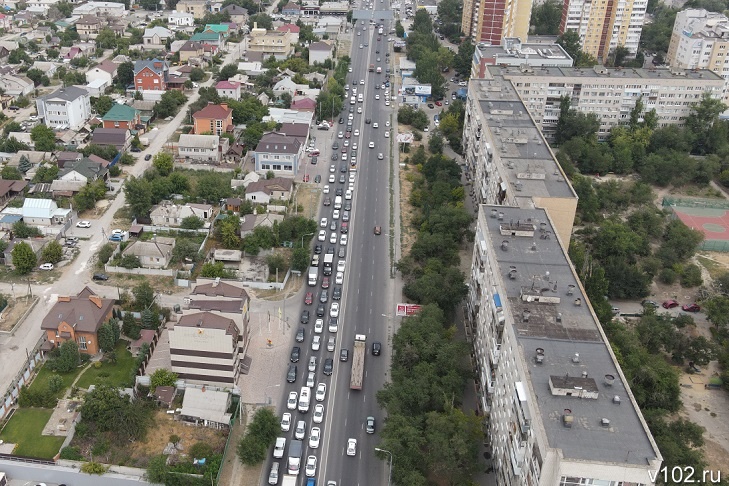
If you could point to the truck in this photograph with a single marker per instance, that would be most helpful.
(313, 276)
(328, 262)
(294, 462)
(379, 70)
(358, 356)
(289, 480)
(372, 67)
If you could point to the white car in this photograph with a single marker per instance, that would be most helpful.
(318, 413)
(387, 102)
(349, 70)
(324, 222)
(462, 83)
(340, 265)
(343, 240)
(351, 116)
(351, 187)
(354, 146)
(319, 326)
(311, 379)
(351, 447)
(346, 143)
(332, 179)
(314, 437)
(334, 310)
(387, 123)
(348, 195)
(311, 466)
(375, 125)
(380, 156)
(339, 279)
(372, 145)
(352, 176)
(316, 343)
(387, 134)
(361, 81)
(286, 422)
(322, 235)
(83, 224)
(377, 97)
(332, 168)
(326, 189)
(335, 214)
(333, 238)
(359, 110)
(46, 266)
(356, 134)
(321, 392)
(300, 431)
(360, 46)
(292, 401)
(333, 325)
(340, 135)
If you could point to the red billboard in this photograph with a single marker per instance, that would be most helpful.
(404, 310)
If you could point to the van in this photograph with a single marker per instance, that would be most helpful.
(273, 475)
(360, 98)
(304, 399)
(352, 100)
(338, 202)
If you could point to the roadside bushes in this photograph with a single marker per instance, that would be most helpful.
(260, 435)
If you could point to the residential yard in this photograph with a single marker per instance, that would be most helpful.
(40, 382)
(16, 309)
(114, 374)
(24, 429)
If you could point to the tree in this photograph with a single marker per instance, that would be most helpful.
(228, 231)
(463, 60)
(106, 338)
(130, 327)
(704, 117)
(125, 74)
(44, 138)
(300, 259)
(261, 433)
(227, 72)
(717, 311)
(157, 469)
(23, 230)
(214, 270)
(164, 163)
(69, 356)
(24, 259)
(185, 250)
(24, 164)
(11, 173)
(453, 440)
(162, 377)
(107, 409)
(103, 105)
(12, 126)
(46, 173)
(435, 143)
(197, 74)
(262, 20)
(138, 196)
(143, 295)
(52, 252)
(572, 124)
(106, 38)
(399, 29)
(192, 222)
(546, 18)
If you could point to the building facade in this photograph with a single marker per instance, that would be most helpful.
(68, 107)
(200, 148)
(151, 75)
(278, 153)
(180, 19)
(270, 43)
(604, 25)
(213, 119)
(493, 20)
(198, 8)
(700, 40)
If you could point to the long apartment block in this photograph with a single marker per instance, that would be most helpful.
(557, 407)
(610, 93)
(507, 158)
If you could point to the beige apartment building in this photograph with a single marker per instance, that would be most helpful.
(508, 161)
(700, 40)
(604, 25)
(197, 8)
(556, 406)
(610, 93)
(278, 44)
(493, 20)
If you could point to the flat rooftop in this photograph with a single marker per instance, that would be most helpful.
(610, 73)
(525, 51)
(529, 165)
(551, 314)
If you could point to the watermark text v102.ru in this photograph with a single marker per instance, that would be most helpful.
(685, 475)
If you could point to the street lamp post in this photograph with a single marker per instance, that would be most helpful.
(302, 238)
(266, 398)
(389, 477)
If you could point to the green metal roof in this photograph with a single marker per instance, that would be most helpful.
(205, 36)
(120, 113)
(223, 29)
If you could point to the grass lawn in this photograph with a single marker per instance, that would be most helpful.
(25, 428)
(41, 381)
(114, 374)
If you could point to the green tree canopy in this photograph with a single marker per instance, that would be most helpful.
(24, 259)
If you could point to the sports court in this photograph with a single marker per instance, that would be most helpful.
(710, 216)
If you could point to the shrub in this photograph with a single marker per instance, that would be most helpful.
(71, 453)
(93, 468)
(55, 384)
(200, 450)
(691, 276)
(668, 276)
(105, 253)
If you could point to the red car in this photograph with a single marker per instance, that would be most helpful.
(669, 304)
(309, 298)
(348, 135)
(306, 178)
(438, 103)
(325, 283)
(691, 307)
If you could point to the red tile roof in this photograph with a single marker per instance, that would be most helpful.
(293, 28)
(227, 85)
(215, 112)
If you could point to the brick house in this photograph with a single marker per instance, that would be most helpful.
(215, 119)
(121, 116)
(78, 319)
(151, 74)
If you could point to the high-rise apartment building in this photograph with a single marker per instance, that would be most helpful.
(700, 40)
(557, 407)
(604, 25)
(492, 20)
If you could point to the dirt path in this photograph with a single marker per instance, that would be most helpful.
(234, 472)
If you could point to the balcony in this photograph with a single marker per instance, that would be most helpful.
(494, 351)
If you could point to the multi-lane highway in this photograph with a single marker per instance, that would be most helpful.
(367, 298)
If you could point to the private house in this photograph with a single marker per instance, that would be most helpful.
(100, 9)
(290, 10)
(151, 74)
(211, 38)
(15, 85)
(205, 349)
(293, 30)
(205, 407)
(252, 221)
(49, 68)
(44, 212)
(239, 15)
(190, 49)
(122, 116)
(77, 319)
(168, 214)
(69, 107)
(222, 29)
(75, 175)
(9, 189)
(164, 395)
(198, 8)
(204, 149)
(304, 104)
(266, 190)
(120, 138)
(278, 153)
(214, 119)
(105, 71)
(23, 137)
(156, 253)
(156, 37)
(36, 244)
(287, 85)
(89, 26)
(320, 52)
(232, 204)
(267, 44)
(180, 19)
(63, 158)
(228, 89)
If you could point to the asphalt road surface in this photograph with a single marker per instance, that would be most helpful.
(367, 295)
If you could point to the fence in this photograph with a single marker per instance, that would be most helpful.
(141, 271)
(715, 245)
(267, 285)
(34, 357)
(695, 202)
